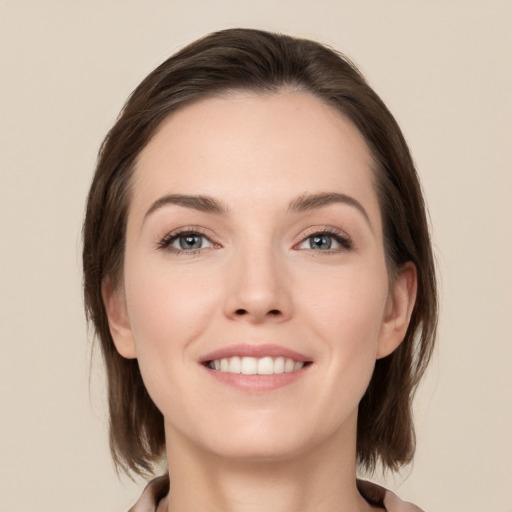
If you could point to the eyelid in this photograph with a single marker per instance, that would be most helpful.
(342, 237)
(165, 242)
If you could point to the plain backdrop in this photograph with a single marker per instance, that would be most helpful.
(66, 68)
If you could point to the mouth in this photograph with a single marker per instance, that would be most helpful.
(266, 365)
(256, 368)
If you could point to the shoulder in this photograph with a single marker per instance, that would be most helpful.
(373, 493)
(153, 493)
(394, 504)
(379, 496)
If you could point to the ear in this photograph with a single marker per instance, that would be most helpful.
(399, 307)
(118, 321)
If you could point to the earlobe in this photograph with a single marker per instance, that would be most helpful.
(401, 300)
(118, 321)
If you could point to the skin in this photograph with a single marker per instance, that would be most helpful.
(258, 279)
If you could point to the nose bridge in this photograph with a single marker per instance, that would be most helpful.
(258, 283)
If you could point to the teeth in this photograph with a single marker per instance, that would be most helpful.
(224, 365)
(265, 366)
(280, 366)
(234, 365)
(256, 366)
(289, 365)
(249, 366)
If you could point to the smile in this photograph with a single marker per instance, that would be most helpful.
(266, 365)
(256, 368)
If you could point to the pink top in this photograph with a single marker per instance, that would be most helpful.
(373, 493)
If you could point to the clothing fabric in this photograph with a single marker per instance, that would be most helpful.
(376, 495)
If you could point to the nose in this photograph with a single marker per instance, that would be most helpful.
(258, 287)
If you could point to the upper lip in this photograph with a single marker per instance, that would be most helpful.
(258, 351)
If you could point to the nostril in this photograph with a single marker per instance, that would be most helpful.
(272, 312)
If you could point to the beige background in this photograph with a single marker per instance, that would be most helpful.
(443, 67)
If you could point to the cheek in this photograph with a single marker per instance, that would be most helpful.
(345, 312)
(351, 300)
(167, 310)
(166, 302)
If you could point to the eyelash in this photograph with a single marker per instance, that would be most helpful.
(345, 242)
(166, 242)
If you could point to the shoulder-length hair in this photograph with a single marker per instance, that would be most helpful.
(243, 59)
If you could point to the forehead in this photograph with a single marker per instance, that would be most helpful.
(256, 147)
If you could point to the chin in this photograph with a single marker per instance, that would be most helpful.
(266, 437)
(260, 450)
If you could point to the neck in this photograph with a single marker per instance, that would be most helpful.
(322, 479)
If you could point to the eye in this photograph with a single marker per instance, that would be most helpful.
(185, 242)
(326, 241)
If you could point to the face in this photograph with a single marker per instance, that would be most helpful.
(255, 291)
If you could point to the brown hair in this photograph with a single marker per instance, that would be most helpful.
(243, 59)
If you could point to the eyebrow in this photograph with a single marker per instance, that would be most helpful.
(307, 202)
(201, 203)
(302, 203)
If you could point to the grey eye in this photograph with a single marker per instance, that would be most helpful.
(320, 242)
(191, 242)
(326, 242)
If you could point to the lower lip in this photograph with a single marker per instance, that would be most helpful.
(257, 383)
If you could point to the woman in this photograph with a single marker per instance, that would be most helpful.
(258, 270)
